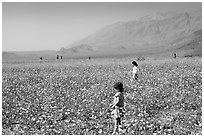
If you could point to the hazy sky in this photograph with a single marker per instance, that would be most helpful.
(50, 26)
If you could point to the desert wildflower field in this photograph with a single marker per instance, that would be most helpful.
(71, 97)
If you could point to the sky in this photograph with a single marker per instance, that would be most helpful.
(33, 26)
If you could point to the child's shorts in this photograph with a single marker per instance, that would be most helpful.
(117, 113)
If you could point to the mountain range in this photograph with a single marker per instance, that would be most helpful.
(158, 33)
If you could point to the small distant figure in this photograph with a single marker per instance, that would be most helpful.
(41, 59)
(118, 107)
(61, 57)
(134, 71)
(89, 57)
(174, 55)
(57, 57)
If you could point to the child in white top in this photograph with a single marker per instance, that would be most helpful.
(134, 71)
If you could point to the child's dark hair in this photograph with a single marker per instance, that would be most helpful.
(119, 86)
(135, 63)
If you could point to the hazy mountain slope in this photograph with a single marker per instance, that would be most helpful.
(195, 45)
(166, 30)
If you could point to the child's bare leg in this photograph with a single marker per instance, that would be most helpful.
(115, 126)
(119, 124)
(132, 80)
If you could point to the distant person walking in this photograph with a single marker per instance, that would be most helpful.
(41, 59)
(61, 57)
(57, 57)
(134, 71)
(118, 107)
(174, 55)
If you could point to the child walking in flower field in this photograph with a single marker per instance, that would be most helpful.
(134, 71)
(117, 106)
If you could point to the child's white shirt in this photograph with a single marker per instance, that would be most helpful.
(134, 71)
